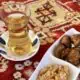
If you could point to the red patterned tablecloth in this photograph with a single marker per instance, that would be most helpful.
(48, 30)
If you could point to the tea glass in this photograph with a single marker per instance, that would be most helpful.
(19, 42)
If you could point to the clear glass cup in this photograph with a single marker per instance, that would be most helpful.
(19, 42)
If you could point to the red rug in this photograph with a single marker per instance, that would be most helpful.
(50, 31)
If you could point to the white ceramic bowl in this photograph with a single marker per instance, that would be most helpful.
(49, 58)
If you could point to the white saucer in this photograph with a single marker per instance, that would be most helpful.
(32, 36)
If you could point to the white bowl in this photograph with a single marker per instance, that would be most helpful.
(49, 58)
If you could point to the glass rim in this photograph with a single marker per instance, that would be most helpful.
(26, 18)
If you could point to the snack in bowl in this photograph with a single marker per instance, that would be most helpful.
(76, 39)
(54, 72)
(68, 49)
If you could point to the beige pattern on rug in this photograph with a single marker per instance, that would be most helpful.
(47, 13)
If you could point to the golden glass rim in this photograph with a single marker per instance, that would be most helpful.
(17, 20)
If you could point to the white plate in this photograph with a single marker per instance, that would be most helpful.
(32, 36)
(49, 58)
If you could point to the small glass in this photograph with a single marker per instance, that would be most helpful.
(19, 42)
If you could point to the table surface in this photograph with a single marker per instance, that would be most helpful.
(55, 18)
